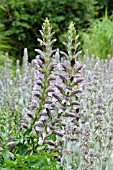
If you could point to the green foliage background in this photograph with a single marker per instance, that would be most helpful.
(22, 19)
(99, 37)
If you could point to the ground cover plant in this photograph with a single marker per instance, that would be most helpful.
(57, 112)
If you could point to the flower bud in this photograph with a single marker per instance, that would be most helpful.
(57, 97)
(58, 133)
(25, 125)
(75, 103)
(39, 124)
(39, 83)
(51, 127)
(70, 114)
(63, 78)
(76, 92)
(60, 88)
(49, 90)
(78, 68)
(29, 114)
(72, 62)
(51, 79)
(50, 142)
(65, 67)
(35, 93)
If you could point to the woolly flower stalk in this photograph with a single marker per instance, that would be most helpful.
(25, 62)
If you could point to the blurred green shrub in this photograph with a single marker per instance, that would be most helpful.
(103, 2)
(4, 40)
(22, 17)
(2, 58)
(99, 37)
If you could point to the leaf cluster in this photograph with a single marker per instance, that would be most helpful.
(39, 161)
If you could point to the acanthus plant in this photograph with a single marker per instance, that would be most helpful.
(41, 109)
(53, 114)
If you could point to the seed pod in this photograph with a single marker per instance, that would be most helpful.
(53, 51)
(78, 80)
(69, 88)
(75, 139)
(98, 113)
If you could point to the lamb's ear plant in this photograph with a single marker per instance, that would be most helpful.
(54, 110)
(97, 109)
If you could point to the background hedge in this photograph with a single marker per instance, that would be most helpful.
(22, 18)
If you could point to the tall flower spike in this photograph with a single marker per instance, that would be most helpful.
(71, 43)
(40, 109)
(25, 62)
(67, 94)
